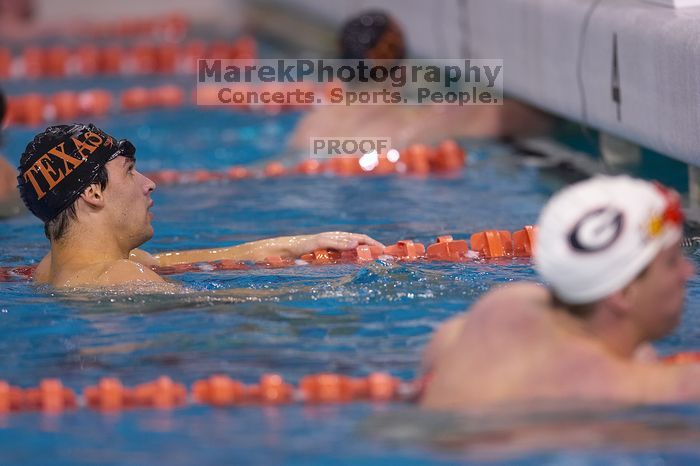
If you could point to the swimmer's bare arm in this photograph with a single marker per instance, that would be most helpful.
(285, 247)
(289, 246)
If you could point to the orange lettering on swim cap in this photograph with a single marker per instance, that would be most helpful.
(59, 152)
(29, 176)
(47, 171)
(83, 145)
(94, 138)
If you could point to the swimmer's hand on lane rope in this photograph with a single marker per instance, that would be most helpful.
(138, 267)
(286, 247)
(338, 240)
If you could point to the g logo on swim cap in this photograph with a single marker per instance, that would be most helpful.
(596, 230)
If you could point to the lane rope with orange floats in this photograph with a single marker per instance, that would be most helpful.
(416, 160)
(142, 58)
(173, 26)
(109, 395)
(34, 109)
(485, 245)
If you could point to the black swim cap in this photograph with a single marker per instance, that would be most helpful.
(61, 162)
(372, 34)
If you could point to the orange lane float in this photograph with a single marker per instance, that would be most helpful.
(108, 395)
(50, 396)
(219, 390)
(406, 250)
(378, 386)
(161, 393)
(238, 173)
(448, 249)
(492, 243)
(65, 105)
(11, 398)
(685, 357)
(325, 388)
(322, 256)
(273, 170)
(27, 109)
(135, 99)
(310, 167)
(276, 262)
(168, 96)
(86, 61)
(140, 98)
(272, 389)
(416, 159)
(95, 102)
(523, 241)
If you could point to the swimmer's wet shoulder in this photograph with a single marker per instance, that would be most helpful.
(118, 272)
(609, 250)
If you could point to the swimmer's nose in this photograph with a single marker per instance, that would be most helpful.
(150, 184)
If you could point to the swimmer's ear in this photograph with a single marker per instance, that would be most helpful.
(621, 301)
(93, 195)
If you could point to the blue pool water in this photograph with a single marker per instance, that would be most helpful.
(349, 319)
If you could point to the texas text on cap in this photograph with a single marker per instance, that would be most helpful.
(61, 162)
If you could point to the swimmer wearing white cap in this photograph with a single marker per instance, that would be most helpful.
(609, 252)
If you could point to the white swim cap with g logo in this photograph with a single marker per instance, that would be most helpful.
(596, 236)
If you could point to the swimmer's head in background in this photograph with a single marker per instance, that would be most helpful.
(61, 162)
(374, 35)
(596, 236)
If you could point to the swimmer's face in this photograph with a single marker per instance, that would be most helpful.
(128, 200)
(659, 293)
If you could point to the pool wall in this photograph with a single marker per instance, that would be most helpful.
(559, 56)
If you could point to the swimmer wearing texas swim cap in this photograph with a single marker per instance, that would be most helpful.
(83, 184)
(609, 252)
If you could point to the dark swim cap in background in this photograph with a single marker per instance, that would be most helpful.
(372, 34)
(61, 162)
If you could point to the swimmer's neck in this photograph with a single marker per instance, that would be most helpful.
(85, 245)
(603, 329)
